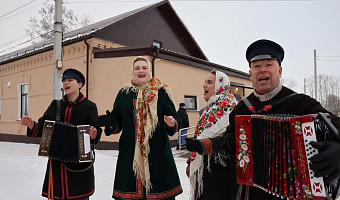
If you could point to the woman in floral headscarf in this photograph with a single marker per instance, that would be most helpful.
(207, 173)
(145, 112)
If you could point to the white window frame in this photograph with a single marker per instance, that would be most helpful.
(189, 105)
(20, 101)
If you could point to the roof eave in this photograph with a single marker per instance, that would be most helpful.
(167, 55)
(43, 49)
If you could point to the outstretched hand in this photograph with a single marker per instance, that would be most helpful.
(194, 145)
(327, 162)
(27, 121)
(93, 132)
(169, 120)
(105, 120)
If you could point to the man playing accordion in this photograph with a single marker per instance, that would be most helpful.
(68, 180)
(271, 97)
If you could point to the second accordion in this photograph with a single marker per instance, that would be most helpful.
(273, 152)
(66, 142)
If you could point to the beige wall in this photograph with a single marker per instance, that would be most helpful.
(32, 71)
(106, 77)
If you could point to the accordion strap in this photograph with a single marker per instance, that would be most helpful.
(266, 107)
(81, 170)
(245, 195)
(58, 111)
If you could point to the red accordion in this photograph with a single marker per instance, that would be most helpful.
(273, 152)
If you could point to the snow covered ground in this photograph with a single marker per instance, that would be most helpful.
(22, 172)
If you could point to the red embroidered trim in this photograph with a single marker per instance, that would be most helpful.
(176, 126)
(62, 180)
(35, 130)
(172, 192)
(81, 99)
(67, 193)
(130, 195)
(115, 131)
(267, 107)
(207, 145)
(65, 118)
(46, 195)
(251, 108)
(69, 114)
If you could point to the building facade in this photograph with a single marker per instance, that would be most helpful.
(103, 52)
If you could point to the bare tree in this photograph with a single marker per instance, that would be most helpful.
(42, 29)
(288, 82)
(333, 104)
(328, 91)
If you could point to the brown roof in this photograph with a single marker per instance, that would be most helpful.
(99, 29)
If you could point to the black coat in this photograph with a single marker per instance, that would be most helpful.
(299, 104)
(67, 184)
(184, 117)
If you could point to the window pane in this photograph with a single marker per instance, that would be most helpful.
(24, 105)
(190, 102)
(24, 89)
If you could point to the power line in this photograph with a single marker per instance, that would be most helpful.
(12, 41)
(22, 11)
(24, 42)
(328, 60)
(329, 56)
(17, 8)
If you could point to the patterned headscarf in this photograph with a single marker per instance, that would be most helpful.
(212, 123)
(146, 121)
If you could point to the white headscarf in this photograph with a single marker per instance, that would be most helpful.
(213, 122)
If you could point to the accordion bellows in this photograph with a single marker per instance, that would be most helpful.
(273, 154)
(66, 142)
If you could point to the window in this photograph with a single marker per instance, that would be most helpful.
(191, 102)
(238, 92)
(22, 100)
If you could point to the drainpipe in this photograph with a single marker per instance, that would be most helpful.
(155, 56)
(87, 69)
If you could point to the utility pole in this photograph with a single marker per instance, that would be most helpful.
(315, 77)
(57, 64)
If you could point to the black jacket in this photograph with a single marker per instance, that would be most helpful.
(184, 117)
(298, 104)
(67, 184)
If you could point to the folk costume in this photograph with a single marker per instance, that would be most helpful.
(64, 183)
(207, 173)
(298, 104)
(145, 167)
(277, 100)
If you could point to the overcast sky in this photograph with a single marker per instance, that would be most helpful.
(223, 29)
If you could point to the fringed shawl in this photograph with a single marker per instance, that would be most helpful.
(212, 123)
(146, 121)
